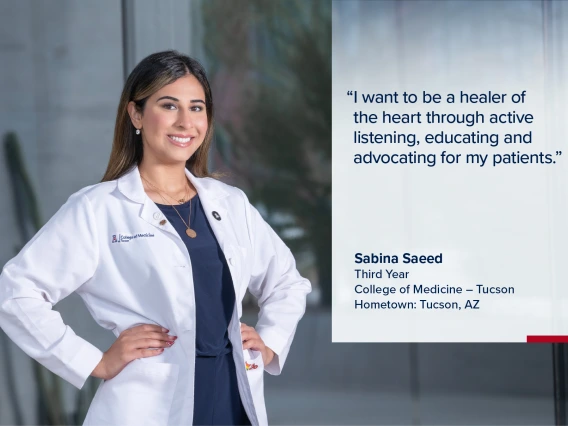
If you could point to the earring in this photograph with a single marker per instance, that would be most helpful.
(137, 131)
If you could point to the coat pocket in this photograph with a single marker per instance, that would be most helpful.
(254, 368)
(141, 394)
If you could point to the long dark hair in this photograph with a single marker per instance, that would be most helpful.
(150, 75)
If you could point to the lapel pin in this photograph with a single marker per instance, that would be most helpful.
(216, 215)
(163, 222)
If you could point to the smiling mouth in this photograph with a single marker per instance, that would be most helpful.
(179, 141)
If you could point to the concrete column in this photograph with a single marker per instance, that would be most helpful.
(152, 26)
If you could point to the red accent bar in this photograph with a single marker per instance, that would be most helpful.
(547, 339)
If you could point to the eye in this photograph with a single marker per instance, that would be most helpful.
(197, 108)
(167, 106)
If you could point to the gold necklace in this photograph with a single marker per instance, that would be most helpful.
(189, 232)
(183, 200)
(180, 201)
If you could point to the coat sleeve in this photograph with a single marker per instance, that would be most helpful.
(276, 283)
(55, 262)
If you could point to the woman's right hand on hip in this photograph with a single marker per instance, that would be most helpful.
(131, 344)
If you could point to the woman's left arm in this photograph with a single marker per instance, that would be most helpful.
(276, 283)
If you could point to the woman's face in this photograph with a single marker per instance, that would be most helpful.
(174, 122)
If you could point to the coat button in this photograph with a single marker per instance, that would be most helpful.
(157, 216)
(232, 261)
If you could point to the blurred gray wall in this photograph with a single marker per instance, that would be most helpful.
(60, 80)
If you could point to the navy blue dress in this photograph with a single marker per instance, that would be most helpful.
(217, 400)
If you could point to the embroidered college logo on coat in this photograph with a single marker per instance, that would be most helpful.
(126, 238)
(252, 366)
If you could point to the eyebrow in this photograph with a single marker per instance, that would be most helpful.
(177, 100)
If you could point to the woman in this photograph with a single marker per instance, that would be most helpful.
(162, 255)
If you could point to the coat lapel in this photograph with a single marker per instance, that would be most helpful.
(131, 186)
(212, 199)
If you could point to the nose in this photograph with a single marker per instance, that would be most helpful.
(184, 119)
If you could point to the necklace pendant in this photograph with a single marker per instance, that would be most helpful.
(191, 233)
(181, 200)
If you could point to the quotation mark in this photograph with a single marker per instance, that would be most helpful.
(352, 93)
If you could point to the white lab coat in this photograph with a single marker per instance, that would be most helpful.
(110, 244)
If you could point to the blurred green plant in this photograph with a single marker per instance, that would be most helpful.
(270, 62)
(49, 409)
